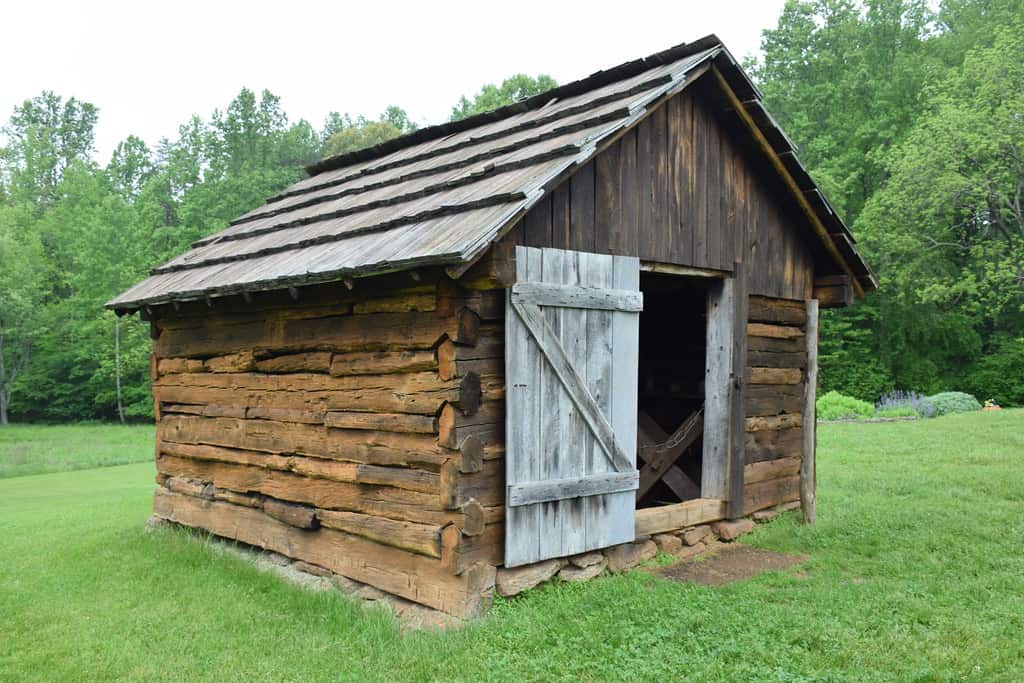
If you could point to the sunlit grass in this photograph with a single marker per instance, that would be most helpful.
(914, 575)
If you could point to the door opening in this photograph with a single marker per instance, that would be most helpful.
(673, 341)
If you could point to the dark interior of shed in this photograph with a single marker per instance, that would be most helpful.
(673, 339)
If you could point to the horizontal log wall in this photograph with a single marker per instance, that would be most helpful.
(776, 374)
(359, 431)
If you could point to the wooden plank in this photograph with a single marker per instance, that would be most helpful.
(665, 518)
(773, 422)
(808, 467)
(739, 389)
(382, 363)
(772, 359)
(717, 383)
(528, 493)
(774, 399)
(767, 470)
(623, 396)
(409, 575)
(523, 372)
(758, 375)
(581, 183)
(548, 343)
(624, 235)
(833, 292)
(772, 345)
(423, 539)
(777, 311)
(591, 337)
(420, 393)
(317, 361)
(766, 494)
(371, 447)
(774, 331)
(556, 409)
(298, 487)
(574, 296)
(772, 444)
(385, 422)
(299, 516)
(341, 333)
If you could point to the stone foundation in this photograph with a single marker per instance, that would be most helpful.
(682, 544)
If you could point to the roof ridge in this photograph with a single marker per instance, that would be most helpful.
(595, 80)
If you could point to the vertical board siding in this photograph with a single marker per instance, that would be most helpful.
(680, 188)
(549, 437)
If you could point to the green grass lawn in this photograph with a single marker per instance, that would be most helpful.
(35, 449)
(916, 573)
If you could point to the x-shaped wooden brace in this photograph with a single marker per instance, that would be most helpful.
(659, 451)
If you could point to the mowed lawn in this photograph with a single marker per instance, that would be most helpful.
(34, 449)
(916, 573)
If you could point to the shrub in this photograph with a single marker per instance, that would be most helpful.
(900, 403)
(954, 402)
(896, 411)
(999, 374)
(836, 406)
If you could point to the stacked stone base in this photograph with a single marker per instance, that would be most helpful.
(682, 544)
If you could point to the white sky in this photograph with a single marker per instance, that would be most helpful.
(149, 66)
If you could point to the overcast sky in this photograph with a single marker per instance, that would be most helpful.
(148, 66)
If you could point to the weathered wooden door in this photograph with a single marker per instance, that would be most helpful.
(572, 332)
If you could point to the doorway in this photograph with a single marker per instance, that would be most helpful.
(671, 391)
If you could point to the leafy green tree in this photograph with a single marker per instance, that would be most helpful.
(512, 89)
(45, 136)
(344, 134)
(21, 286)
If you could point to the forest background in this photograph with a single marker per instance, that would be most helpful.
(909, 115)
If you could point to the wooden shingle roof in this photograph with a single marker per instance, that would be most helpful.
(442, 195)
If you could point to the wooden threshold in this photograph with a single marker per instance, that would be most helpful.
(673, 269)
(657, 520)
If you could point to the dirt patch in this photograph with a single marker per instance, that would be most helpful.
(728, 563)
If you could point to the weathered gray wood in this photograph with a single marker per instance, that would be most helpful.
(717, 380)
(547, 341)
(621, 507)
(575, 487)
(808, 468)
(738, 391)
(597, 348)
(574, 296)
(569, 472)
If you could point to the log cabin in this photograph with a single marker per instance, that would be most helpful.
(539, 332)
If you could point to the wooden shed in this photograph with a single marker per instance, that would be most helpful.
(546, 330)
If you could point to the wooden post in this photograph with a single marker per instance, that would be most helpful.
(717, 380)
(808, 468)
(117, 368)
(738, 391)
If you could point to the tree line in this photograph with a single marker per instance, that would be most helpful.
(74, 233)
(910, 117)
(912, 121)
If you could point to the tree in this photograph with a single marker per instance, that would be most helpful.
(45, 136)
(20, 268)
(131, 165)
(947, 228)
(512, 89)
(344, 134)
